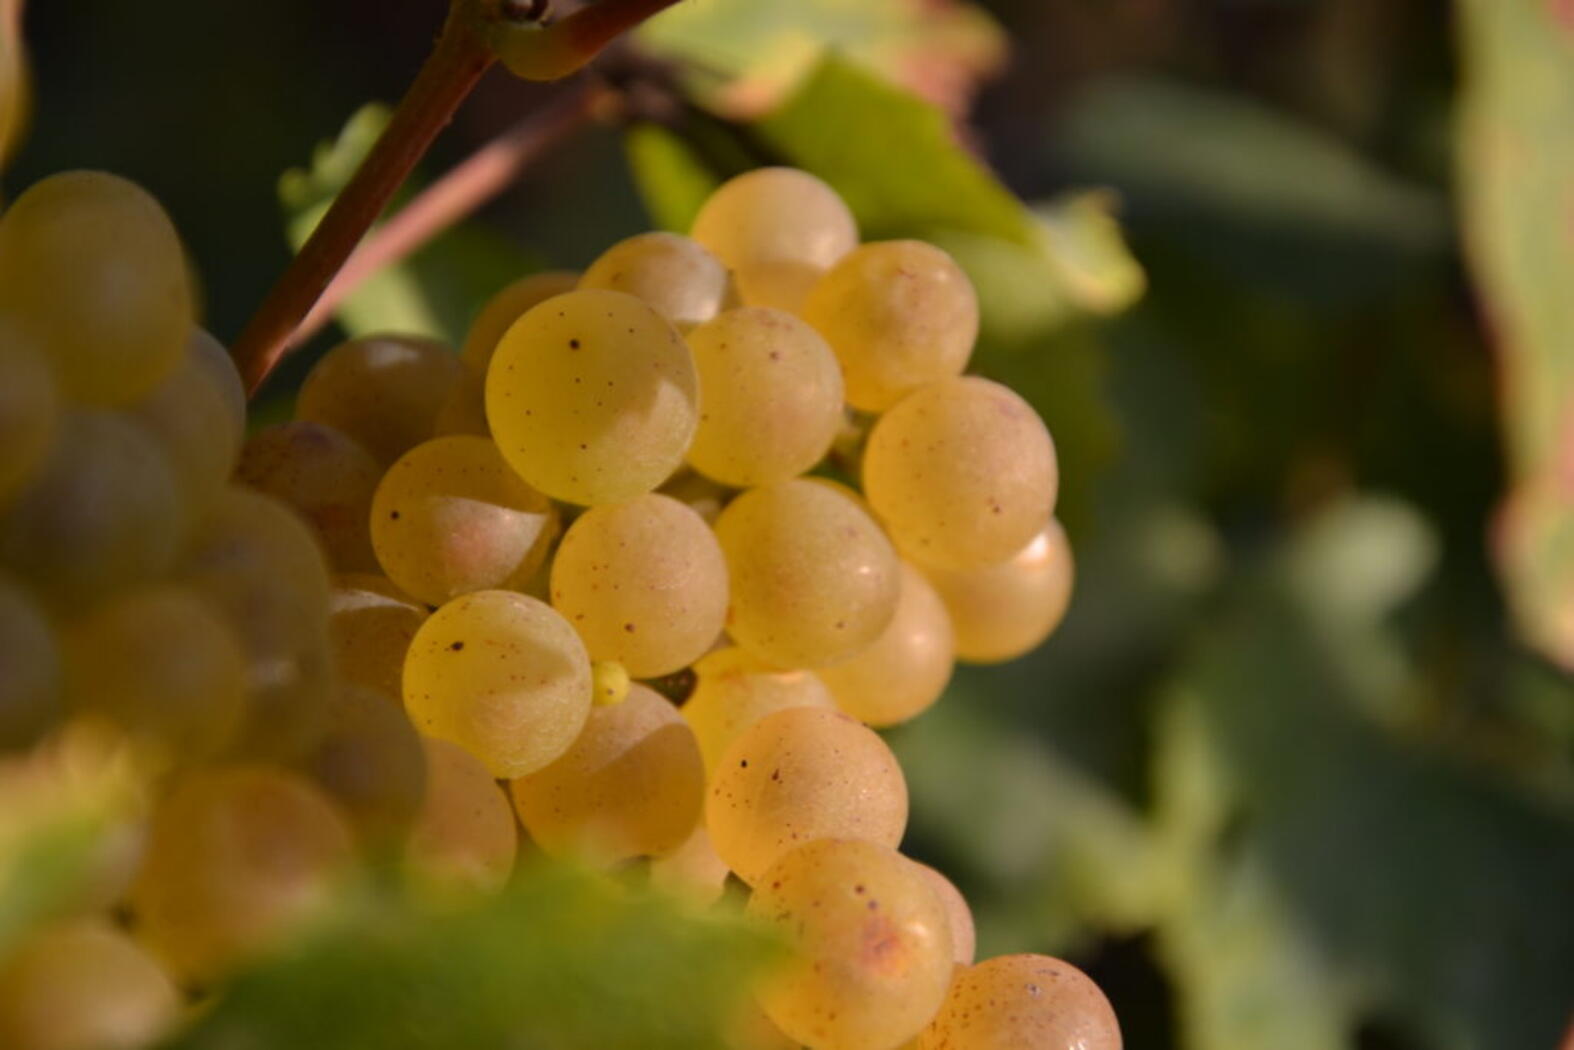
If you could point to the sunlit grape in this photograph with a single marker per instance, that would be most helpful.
(325, 477)
(733, 690)
(383, 391)
(670, 273)
(1016, 1001)
(508, 306)
(905, 669)
(964, 938)
(1003, 610)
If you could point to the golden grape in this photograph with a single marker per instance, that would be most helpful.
(371, 762)
(29, 413)
(670, 273)
(1003, 610)
(904, 670)
(194, 416)
(1023, 1002)
(508, 306)
(692, 871)
(964, 938)
(326, 477)
(383, 391)
(733, 690)
(371, 624)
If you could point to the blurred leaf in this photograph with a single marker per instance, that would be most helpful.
(673, 181)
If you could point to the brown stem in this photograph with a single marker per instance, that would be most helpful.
(552, 52)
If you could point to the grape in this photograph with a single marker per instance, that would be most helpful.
(814, 580)
(670, 273)
(644, 583)
(161, 661)
(83, 985)
(464, 835)
(193, 415)
(236, 857)
(450, 518)
(103, 513)
(222, 373)
(802, 774)
(609, 682)
(733, 690)
(630, 786)
(371, 762)
(592, 397)
(463, 411)
(773, 397)
(1023, 1002)
(1003, 610)
(503, 676)
(30, 700)
(508, 306)
(699, 493)
(326, 477)
(871, 945)
(962, 472)
(964, 939)
(750, 1029)
(92, 270)
(382, 391)
(906, 669)
(371, 623)
(777, 230)
(692, 871)
(899, 314)
(29, 413)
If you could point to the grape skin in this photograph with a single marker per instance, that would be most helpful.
(325, 476)
(904, 671)
(506, 307)
(1023, 1002)
(29, 413)
(371, 624)
(464, 837)
(1004, 610)
(384, 392)
(673, 275)
(30, 690)
(371, 762)
(733, 690)
(964, 937)
(193, 415)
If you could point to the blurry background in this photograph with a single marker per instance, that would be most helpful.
(1287, 779)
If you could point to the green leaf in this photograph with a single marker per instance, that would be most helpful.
(673, 181)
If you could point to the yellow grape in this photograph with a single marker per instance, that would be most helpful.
(904, 670)
(592, 397)
(163, 661)
(1004, 610)
(749, 1029)
(630, 786)
(325, 477)
(699, 493)
(962, 472)
(29, 413)
(802, 774)
(503, 676)
(773, 397)
(643, 582)
(964, 938)
(463, 411)
(382, 391)
(450, 518)
(609, 682)
(777, 230)
(237, 857)
(83, 985)
(371, 762)
(814, 579)
(92, 270)
(692, 871)
(1023, 1002)
(899, 314)
(222, 373)
(508, 306)
(673, 275)
(371, 623)
(733, 690)
(30, 692)
(870, 944)
(196, 418)
(464, 836)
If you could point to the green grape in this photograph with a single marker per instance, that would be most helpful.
(643, 582)
(814, 580)
(692, 871)
(464, 409)
(1023, 1002)
(630, 786)
(384, 391)
(870, 943)
(193, 415)
(29, 413)
(237, 857)
(962, 472)
(733, 690)
(670, 273)
(450, 518)
(777, 230)
(592, 397)
(105, 512)
(83, 985)
(161, 661)
(802, 774)
(503, 676)
(371, 624)
(325, 477)
(464, 836)
(92, 270)
(1003, 610)
(904, 670)
(508, 306)
(30, 690)
(609, 682)
(899, 314)
(773, 397)
(371, 763)
(964, 938)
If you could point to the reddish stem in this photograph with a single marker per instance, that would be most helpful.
(592, 28)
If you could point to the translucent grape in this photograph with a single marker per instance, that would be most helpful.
(814, 580)
(29, 413)
(962, 472)
(193, 415)
(371, 624)
(899, 314)
(450, 517)
(692, 871)
(503, 676)
(236, 858)
(777, 230)
(326, 477)
(83, 985)
(508, 306)
(733, 690)
(630, 786)
(1013, 1002)
(464, 836)
(964, 938)
(592, 397)
(382, 391)
(871, 945)
(30, 691)
(643, 582)
(798, 775)
(1002, 611)
(463, 411)
(904, 670)
(670, 273)
(225, 377)
(92, 270)
(371, 762)
(773, 397)
(609, 682)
